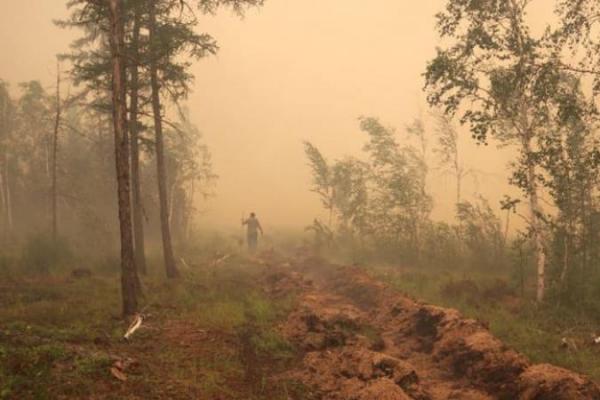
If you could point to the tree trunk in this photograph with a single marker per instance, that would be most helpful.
(171, 202)
(4, 170)
(7, 193)
(567, 216)
(128, 268)
(535, 212)
(459, 177)
(565, 269)
(331, 206)
(188, 212)
(138, 218)
(3, 202)
(169, 258)
(54, 156)
(458, 188)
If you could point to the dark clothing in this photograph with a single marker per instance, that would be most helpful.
(252, 241)
(252, 232)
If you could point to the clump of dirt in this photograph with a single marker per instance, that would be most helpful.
(280, 282)
(481, 358)
(316, 326)
(355, 284)
(544, 381)
(427, 320)
(381, 389)
(353, 372)
(466, 348)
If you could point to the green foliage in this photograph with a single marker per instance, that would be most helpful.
(323, 236)
(238, 6)
(480, 232)
(321, 174)
(43, 254)
(523, 89)
(191, 173)
(380, 202)
(342, 188)
(579, 31)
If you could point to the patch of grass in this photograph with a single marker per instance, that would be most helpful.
(93, 365)
(68, 332)
(271, 345)
(27, 370)
(223, 315)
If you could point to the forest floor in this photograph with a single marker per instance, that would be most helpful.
(270, 327)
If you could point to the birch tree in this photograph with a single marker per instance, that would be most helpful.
(449, 152)
(7, 110)
(498, 78)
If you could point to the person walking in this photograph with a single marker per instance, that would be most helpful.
(252, 228)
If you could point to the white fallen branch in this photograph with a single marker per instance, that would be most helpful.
(221, 259)
(117, 373)
(120, 366)
(568, 344)
(185, 265)
(135, 325)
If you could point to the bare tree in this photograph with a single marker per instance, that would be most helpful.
(448, 149)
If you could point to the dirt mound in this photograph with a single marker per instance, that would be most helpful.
(469, 350)
(353, 372)
(544, 381)
(423, 352)
(315, 325)
(381, 389)
(355, 284)
(280, 282)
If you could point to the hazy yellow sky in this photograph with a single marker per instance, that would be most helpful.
(294, 70)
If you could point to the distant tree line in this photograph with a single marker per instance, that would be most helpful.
(379, 205)
(536, 93)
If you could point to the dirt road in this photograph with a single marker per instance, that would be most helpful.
(363, 341)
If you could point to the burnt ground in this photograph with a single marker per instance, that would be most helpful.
(361, 340)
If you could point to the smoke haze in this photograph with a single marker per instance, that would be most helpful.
(290, 71)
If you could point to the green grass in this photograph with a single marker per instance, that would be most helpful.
(211, 334)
